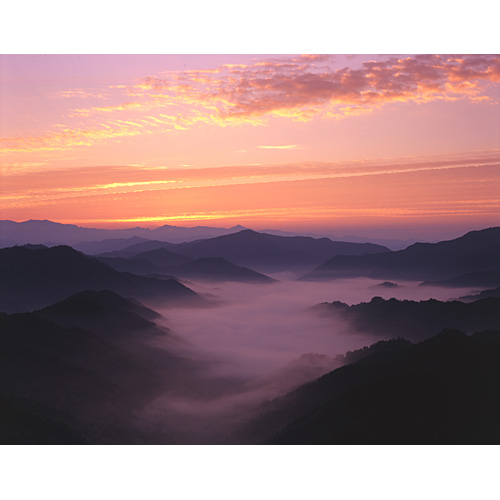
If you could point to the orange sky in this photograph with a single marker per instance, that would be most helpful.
(291, 142)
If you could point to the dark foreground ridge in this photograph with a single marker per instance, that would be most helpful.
(82, 370)
(445, 390)
(61, 384)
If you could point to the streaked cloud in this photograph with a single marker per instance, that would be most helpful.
(407, 191)
(291, 146)
(26, 189)
(79, 94)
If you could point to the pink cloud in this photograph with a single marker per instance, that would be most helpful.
(296, 85)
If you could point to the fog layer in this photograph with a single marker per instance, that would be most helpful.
(260, 342)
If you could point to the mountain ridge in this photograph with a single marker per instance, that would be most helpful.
(43, 231)
(475, 251)
(261, 252)
(26, 272)
(443, 390)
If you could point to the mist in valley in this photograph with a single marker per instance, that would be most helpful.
(258, 342)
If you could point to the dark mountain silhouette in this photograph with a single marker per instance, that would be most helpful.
(151, 262)
(386, 284)
(109, 245)
(23, 422)
(269, 253)
(218, 269)
(176, 234)
(416, 320)
(491, 293)
(476, 251)
(72, 377)
(162, 257)
(107, 315)
(445, 390)
(479, 279)
(124, 323)
(131, 265)
(139, 248)
(82, 370)
(34, 278)
(392, 244)
(382, 346)
(42, 231)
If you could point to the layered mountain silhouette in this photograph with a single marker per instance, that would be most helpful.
(146, 262)
(162, 257)
(218, 269)
(267, 252)
(34, 278)
(79, 370)
(445, 390)
(85, 369)
(108, 245)
(475, 252)
(142, 247)
(164, 262)
(415, 320)
(135, 266)
(107, 315)
(386, 285)
(259, 251)
(490, 293)
(71, 377)
(43, 231)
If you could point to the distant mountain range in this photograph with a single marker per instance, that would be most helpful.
(132, 265)
(166, 263)
(444, 390)
(35, 277)
(391, 243)
(95, 241)
(475, 252)
(53, 233)
(259, 251)
(81, 357)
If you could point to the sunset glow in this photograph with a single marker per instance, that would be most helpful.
(328, 142)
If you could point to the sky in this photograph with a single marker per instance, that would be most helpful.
(54, 27)
(399, 145)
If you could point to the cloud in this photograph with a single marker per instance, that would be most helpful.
(79, 94)
(140, 185)
(291, 146)
(301, 88)
(294, 88)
